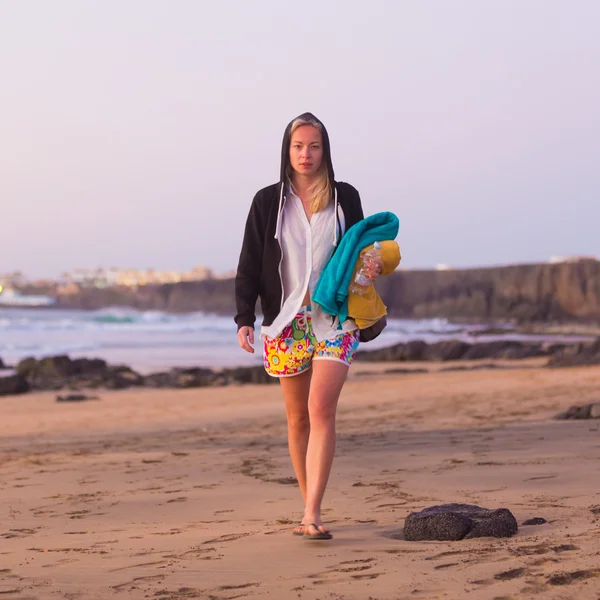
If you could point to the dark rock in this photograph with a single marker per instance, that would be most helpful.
(196, 377)
(576, 355)
(520, 351)
(87, 366)
(59, 372)
(181, 378)
(557, 348)
(414, 350)
(446, 350)
(160, 379)
(586, 411)
(457, 522)
(51, 367)
(411, 351)
(2, 365)
(457, 350)
(48, 373)
(13, 384)
(26, 366)
(444, 526)
(91, 382)
(535, 521)
(75, 398)
(121, 377)
(504, 349)
(256, 375)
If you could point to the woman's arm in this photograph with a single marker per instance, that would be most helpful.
(359, 209)
(247, 279)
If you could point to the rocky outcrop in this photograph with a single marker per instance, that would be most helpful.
(181, 378)
(211, 296)
(576, 355)
(565, 292)
(199, 377)
(12, 385)
(58, 367)
(63, 373)
(246, 375)
(585, 411)
(539, 292)
(459, 521)
(457, 350)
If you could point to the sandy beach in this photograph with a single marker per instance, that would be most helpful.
(189, 494)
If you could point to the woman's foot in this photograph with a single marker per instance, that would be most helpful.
(299, 529)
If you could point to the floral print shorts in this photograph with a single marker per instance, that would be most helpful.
(294, 349)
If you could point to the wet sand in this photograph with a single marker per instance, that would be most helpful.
(189, 494)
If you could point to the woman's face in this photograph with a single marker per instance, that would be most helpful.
(306, 150)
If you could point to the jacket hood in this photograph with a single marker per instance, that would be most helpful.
(285, 146)
(285, 161)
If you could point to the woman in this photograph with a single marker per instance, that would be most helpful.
(292, 231)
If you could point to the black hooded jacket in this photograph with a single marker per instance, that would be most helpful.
(260, 258)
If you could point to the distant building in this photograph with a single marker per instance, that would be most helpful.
(570, 259)
(198, 274)
(14, 279)
(226, 275)
(102, 277)
(82, 277)
(443, 267)
(67, 289)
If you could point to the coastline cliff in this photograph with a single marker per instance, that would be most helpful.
(564, 292)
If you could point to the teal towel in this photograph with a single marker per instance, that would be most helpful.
(331, 291)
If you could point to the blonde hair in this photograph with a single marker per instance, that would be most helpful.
(321, 190)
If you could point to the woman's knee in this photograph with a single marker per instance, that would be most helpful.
(298, 421)
(321, 413)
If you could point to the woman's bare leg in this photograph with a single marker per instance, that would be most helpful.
(295, 394)
(328, 378)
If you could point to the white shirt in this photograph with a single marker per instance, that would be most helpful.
(306, 248)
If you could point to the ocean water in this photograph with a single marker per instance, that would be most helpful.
(150, 341)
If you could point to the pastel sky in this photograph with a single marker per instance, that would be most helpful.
(134, 133)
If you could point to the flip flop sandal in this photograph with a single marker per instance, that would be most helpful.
(320, 535)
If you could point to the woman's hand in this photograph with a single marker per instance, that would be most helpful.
(375, 266)
(245, 338)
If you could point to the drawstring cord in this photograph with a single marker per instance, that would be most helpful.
(278, 224)
(335, 217)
